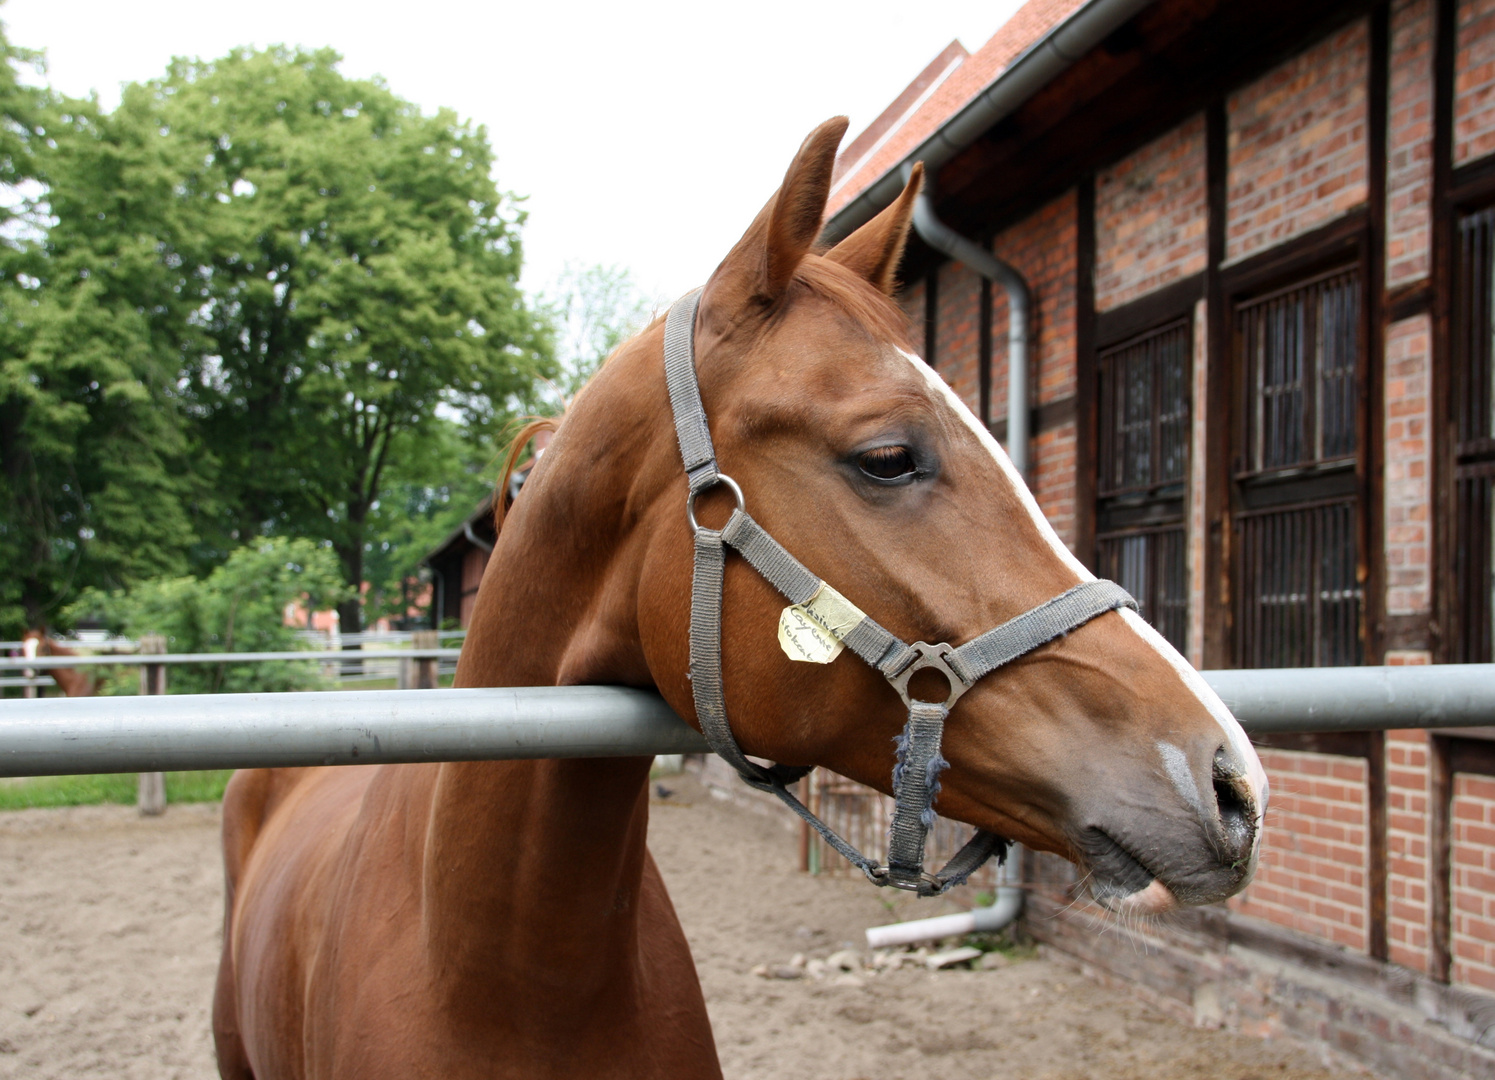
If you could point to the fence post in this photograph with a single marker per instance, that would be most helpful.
(151, 794)
(426, 666)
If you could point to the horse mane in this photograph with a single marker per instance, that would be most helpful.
(533, 426)
(856, 298)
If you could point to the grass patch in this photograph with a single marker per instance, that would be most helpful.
(181, 787)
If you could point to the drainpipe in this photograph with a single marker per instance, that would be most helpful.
(1034, 69)
(947, 241)
(982, 920)
(474, 539)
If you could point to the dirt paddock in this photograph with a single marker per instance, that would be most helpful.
(109, 929)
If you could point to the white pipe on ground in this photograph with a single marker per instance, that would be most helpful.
(982, 920)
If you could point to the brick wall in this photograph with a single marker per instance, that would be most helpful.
(1052, 475)
(1407, 806)
(1297, 144)
(1042, 248)
(1474, 82)
(1474, 881)
(1409, 143)
(958, 300)
(1408, 488)
(912, 300)
(1312, 873)
(1151, 217)
(1297, 160)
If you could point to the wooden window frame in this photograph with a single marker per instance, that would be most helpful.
(1469, 189)
(1153, 315)
(1344, 242)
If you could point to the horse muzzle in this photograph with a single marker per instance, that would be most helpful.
(1184, 845)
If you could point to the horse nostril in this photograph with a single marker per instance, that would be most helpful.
(1234, 804)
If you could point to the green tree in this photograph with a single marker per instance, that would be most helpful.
(425, 497)
(352, 270)
(94, 477)
(239, 607)
(593, 311)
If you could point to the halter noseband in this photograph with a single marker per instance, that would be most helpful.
(919, 761)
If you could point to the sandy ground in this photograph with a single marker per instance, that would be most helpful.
(109, 929)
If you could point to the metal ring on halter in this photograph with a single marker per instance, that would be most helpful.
(690, 502)
(929, 656)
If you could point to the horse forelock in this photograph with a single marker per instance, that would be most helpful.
(872, 309)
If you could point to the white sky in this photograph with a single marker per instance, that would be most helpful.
(645, 134)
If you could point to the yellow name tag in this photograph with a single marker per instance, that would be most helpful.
(812, 632)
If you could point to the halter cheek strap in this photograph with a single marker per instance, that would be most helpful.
(919, 762)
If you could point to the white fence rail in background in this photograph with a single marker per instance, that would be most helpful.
(141, 734)
(326, 656)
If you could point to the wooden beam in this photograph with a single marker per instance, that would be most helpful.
(1445, 625)
(1086, 450)
(1440, 851)
(931, 315)
(1216, 584)
(1378, 860)
(1171, 302)
(1370, 463)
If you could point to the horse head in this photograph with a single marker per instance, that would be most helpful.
(1103, 745)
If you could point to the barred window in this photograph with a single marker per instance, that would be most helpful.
(1297, 590)
(1143, 463)
(1301, 347)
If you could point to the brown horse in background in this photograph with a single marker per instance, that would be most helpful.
(73, 682)
(505, 918)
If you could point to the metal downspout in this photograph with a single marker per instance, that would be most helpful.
(476, 540)
(947, 241)
(1035, 68)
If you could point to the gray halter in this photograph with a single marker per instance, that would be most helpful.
(919, 762)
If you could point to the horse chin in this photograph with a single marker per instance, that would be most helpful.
(1153, 899)
(1119, 880)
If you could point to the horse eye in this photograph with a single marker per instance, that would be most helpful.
(887, 462)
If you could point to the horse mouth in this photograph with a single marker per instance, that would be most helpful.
(1119, 881)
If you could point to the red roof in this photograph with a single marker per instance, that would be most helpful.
(939, 92)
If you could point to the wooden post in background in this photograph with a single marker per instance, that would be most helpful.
(151, 794)
(425, 666)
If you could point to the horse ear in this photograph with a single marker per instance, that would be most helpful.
(873, 250)
(761, 265)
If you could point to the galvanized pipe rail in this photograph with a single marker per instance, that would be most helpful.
(55, 736)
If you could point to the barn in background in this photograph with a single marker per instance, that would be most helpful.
(1258, 245)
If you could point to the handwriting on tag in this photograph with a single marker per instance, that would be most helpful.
(812, 632)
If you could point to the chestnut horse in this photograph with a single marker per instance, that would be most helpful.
(73, 682)
(505, 918)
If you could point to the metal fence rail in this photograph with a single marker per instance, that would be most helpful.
(54, 736)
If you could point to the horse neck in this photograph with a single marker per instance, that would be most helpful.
(536, 866)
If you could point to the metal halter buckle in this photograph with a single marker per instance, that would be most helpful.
(690, 501)
(882, 876)
(929, 656)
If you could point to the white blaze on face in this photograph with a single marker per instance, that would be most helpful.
(28, 648)
(1235, 736)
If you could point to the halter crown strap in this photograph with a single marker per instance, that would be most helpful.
(919, 764)
(685, 393)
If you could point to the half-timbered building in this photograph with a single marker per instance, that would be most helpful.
(1255, 246)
